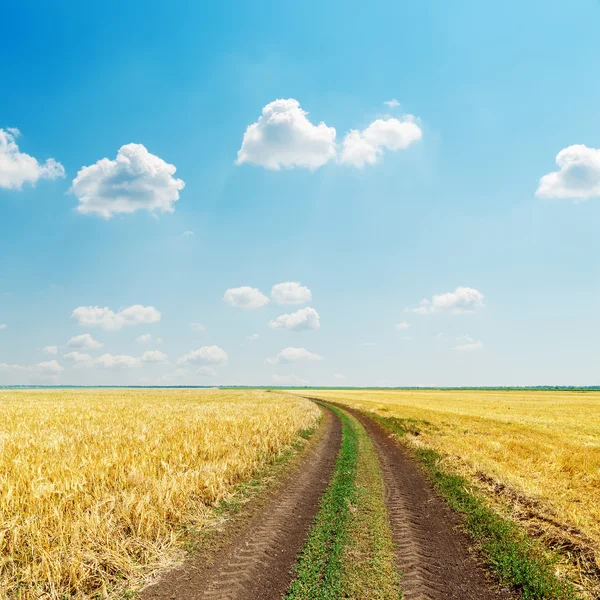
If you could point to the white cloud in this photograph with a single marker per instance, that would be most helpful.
(284, 137)
(339, 376)
(206, 355)
(401, 326)
(289, 355)
(465, 343)
(578, 177)
(367, 146)
(291, 292)
(51, 350)
(198, 327)
(154, 356)
(188, 233)
(144, 339)
(51, 367)
(245, 297)
(84, 341)
(79, 358)
(176, 374)
(393, 103)
(462, 300)
(289, 380)
(18, 168)
(136, 180)
(108, 319)
(207, 372)
(43, 371)
(305, 318)
(252, 337)
(108, 361)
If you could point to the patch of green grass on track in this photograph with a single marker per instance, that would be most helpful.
(349, 552)
(517, 560)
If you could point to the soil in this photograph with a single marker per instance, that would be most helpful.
(256, 561)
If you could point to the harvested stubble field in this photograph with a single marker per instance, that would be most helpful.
(536, 453)
(97, 487)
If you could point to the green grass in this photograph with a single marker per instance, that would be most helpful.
(517, 560)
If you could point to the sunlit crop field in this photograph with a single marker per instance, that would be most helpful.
(96, 486)
(541, 450)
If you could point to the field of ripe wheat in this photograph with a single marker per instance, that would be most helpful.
(97, 486)
(537, 451)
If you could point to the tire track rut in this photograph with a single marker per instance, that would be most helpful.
(257, 563)
(433, 554)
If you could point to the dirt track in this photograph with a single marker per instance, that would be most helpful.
(257, 562)
(432, 553)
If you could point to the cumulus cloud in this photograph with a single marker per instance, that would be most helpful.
(578, 177)
(401, 326)
(79, 358)
(51, 350)
(393, 103)
(462, 300)
(283, 136)
(135, 180)
(465, 343)
(47, 371)
(207, 372)
(289, 380)
(18, 168)
(366, 147)
(291, 292)
(154, 356)
(245, 297)
(305, 318)
(144, 339)
(107, 319)
(84, 341)
(121, 361)
(204, 355)
(290, 355)
(50, 366)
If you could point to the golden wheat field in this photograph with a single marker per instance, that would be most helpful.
(539, 450)
(97, 486)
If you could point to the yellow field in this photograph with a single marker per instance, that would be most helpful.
(96, 486)
(540, 451)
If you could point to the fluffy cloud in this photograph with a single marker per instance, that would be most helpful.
(401, 326)
(289, 380)
(366, 147)
(51, 350)
(284, 137)
(245, 297)
(465, 343)
(206, 355)
(144, 339)
(121, 361)
(18, 168)
(50, 367)
(135, 180)
(47, 371)
(393, 103)
(154, 356)
(462, 300)
(290, 355)
(108, 319)
(578, 177)
(291, 292)
(79, 358)
(305, 318)
(84, 341)
(207, 372)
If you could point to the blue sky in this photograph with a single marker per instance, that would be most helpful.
(443, 192)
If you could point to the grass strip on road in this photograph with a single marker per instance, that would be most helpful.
(516, 559)
(349, 552)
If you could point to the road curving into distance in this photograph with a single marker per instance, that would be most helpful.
(432, 555)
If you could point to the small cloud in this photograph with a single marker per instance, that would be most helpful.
(84, 341)
(252, 337)
(305, 318)
(144, 339)
(289, 355)
(206, 355)
(465, 343)
(291, 379)
(291, 292)
(154, 356)
(401, 326)
(51, 350)
(121, 361)
(188, 234)
(207, 372)
(95, 316)
(197, 327)
(79, 358)
(462, 300)
(245, 297)
(393, 103)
